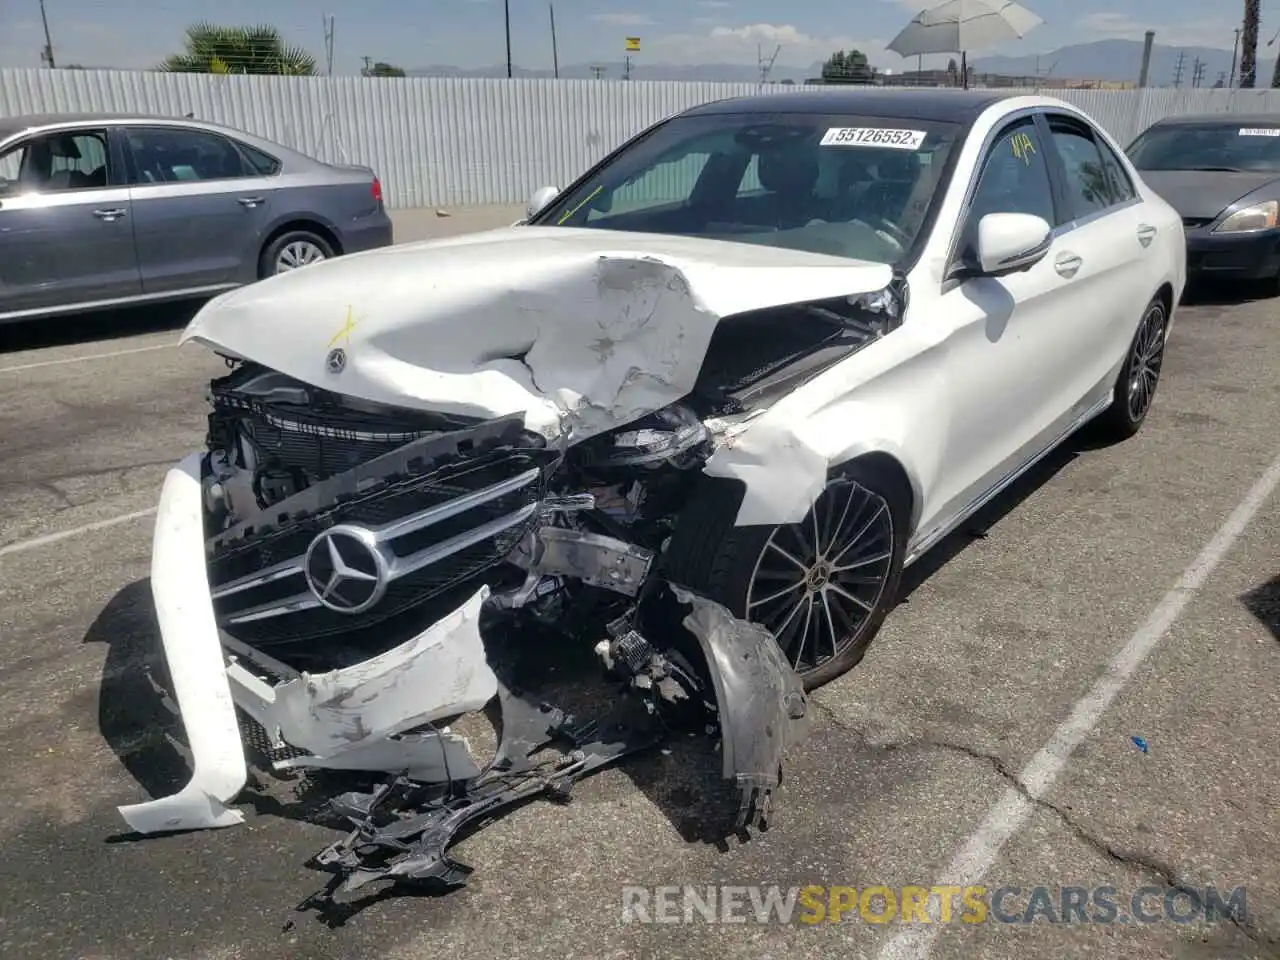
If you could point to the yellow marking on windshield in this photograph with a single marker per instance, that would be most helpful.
(589, 197)
(1023, 148)
(347, 327)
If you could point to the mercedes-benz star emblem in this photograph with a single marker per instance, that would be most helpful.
(336, 361)
(345, 570)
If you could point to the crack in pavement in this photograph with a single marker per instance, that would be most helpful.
(1131, 859)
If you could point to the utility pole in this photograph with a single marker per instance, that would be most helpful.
(1197, 72)
(1249, 44)
(1235, 52)
(597, 72)
(1145, 70)
(47, 53)
(368, 66)
(626, 67)
(1177, 70)
(328, 43)
(555, 53)
(506, 16)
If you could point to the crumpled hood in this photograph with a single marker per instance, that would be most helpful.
(580, 330)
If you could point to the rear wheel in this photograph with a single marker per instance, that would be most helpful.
(822, 586)
(1135, 388)
(292, 250)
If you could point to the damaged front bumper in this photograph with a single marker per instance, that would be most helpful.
(381, 715)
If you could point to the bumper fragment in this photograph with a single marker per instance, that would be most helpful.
(180, 587)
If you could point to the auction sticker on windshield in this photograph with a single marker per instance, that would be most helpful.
(1260, 131)
(873, 137)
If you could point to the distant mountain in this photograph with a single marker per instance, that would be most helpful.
(1122, 60)
(1101, 60)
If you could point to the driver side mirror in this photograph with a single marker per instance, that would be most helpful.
(1009, 242)
(539, 201)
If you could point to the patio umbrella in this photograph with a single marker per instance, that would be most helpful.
(959, 26)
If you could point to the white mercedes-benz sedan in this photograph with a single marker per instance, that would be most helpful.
(696, 413)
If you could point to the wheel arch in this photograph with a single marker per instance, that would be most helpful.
(310, 224)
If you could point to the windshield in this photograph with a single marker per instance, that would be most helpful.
(849, 186)
(1227, 147)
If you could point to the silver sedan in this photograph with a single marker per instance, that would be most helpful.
(100, 211)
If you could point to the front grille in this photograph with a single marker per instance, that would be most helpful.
(434, 528)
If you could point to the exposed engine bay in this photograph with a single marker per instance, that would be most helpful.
(362, 557)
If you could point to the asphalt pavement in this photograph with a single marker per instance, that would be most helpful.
(1079, 691)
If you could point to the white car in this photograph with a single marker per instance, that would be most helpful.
(698, 412)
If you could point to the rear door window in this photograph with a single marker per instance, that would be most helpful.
(1090, 186)
(176, 155)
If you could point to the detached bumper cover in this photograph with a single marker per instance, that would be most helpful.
(180, 586)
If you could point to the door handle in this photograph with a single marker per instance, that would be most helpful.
(1067, 265)
(249, 202)
(1146, 233)
(109, 215)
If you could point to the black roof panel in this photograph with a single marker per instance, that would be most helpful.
(960, 106)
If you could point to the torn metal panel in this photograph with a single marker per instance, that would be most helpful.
(575, 332)
(180, 587)
(594, 559)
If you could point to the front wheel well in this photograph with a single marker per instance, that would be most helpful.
(891, 468)
(1165, 295)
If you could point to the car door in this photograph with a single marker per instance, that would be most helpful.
(66, 235)
(200, 209)
(1006, 340)
(1107, 242)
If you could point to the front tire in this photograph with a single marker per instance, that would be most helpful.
(822, 586)
(1135, 387)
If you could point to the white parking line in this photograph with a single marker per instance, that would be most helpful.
(49, 538)
(92, 356)
(978, 854)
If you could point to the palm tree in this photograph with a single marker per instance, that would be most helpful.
(259, 50)
(1249, 44)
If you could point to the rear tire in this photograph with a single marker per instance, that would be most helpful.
(292, 250)
(1135, 387)
(822, 586)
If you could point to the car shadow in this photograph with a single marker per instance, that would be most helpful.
(100, 326)
(1087, 439)
(1264, 603)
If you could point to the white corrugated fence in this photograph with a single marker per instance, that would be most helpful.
(446, 141)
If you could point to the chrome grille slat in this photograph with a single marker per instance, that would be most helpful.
(287, 568)
(276, 608)
(443, 511)
(402, 566)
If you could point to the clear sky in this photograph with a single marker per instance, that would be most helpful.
(469, 33)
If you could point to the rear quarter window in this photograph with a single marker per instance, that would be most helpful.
(260, 163)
